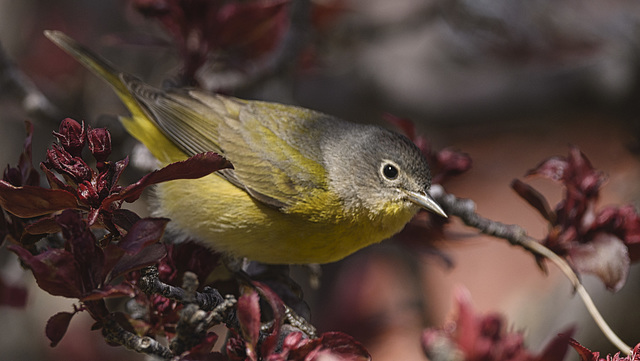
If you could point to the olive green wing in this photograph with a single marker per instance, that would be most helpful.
(270, 145)
(272, 149)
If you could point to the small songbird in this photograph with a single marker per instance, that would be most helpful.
(305, 187)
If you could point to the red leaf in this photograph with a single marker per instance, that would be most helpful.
(57, 326)
(25, 173)
(330, 346)
(148, 256)
(479, 337)
(143, 233)
(31, 201)
(112, 256)
(605, 256)
(124, 218)
(588, 355)
(556, 350)
(197, 166)
(188, 256)
(534, 198)
(30, 175)
(107, 291)
(584, 353)
(43, 226)
(81, 242)
(277, 306)
(55, 271)
(53, 181)
(253, 27)
(553, 168)
(117, 169)
(202, 351)
(249, 319)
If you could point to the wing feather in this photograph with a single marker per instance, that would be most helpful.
(271, 146)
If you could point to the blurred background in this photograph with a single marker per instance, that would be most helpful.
(511, 83)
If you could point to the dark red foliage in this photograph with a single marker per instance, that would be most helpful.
(57, 326)
(484, 338)
(195, 167)
(24, 174)
(30, 201)
(202, 351)
(329, 346)
(249, 319)
(99, 141)
(73, 166)
(82, 269)
(86, 268)
(187, 256)
(588, 355)
(72, 136)
(96, 191)
(295, 346)
(601, 242)
(240, 30)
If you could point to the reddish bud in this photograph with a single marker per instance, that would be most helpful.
(87, 193)
(62, 161)
(103, 185)
(99, 143)
(71, 136)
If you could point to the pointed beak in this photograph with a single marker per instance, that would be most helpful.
(425, 201)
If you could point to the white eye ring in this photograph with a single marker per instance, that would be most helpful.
(389, 170)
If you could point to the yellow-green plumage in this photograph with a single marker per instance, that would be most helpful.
(305, 188)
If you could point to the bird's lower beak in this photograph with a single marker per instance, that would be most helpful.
(425, 201)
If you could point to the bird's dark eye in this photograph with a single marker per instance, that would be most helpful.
(390, 171)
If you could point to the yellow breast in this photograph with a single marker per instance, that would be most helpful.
(224, 217)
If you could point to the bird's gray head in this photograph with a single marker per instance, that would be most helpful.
(382, 171)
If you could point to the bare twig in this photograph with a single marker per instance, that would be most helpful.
(300, 323)
(192, 326)
(150, 283)
(114, 333)
(465, 209)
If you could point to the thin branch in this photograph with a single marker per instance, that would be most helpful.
(150, 284)
(465, 209)
(114, 333)
(192, 326)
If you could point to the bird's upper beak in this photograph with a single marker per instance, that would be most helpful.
(424, 200)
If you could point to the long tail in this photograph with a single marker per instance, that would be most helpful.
(140, 125)
(100, 66)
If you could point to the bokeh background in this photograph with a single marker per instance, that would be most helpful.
(511, 83)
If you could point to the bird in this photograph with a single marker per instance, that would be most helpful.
(305, 187)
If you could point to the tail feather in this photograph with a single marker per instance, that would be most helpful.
(140, 125)
(100, 66)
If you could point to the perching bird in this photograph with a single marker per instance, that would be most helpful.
(305, 188)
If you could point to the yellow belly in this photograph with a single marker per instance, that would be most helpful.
(227, 219)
